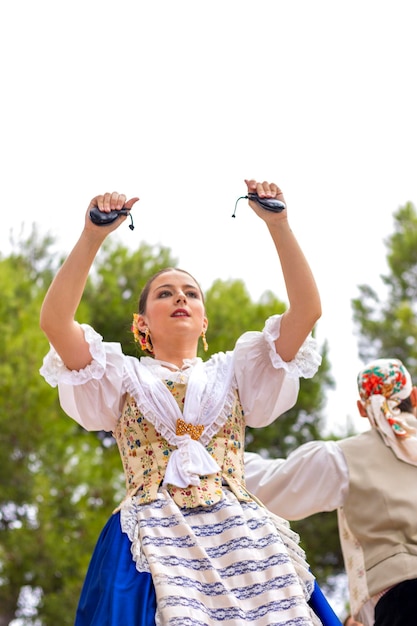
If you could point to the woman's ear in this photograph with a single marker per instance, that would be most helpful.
(361, 409)
(413, 397)
(141, 323)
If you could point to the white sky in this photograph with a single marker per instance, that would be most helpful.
(179, 101)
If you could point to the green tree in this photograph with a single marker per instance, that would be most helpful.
(21, 427)
(386, 316)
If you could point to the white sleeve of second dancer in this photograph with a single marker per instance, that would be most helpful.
(313, 479)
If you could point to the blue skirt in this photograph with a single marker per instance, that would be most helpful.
(116, 594)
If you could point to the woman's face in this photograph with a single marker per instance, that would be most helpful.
(174, 308)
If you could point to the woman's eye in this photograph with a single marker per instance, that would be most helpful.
(192, 294)
(164, 294)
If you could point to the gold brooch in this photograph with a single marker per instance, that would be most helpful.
(183, 428)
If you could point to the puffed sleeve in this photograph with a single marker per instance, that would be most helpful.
(268, 386)
(91, 396)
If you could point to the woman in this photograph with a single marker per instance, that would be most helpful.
(189, 544)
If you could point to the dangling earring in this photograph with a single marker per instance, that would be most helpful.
(146, 341)
(141, 337)
(203, 337)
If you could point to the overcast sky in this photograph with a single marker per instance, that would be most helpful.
(179, 101)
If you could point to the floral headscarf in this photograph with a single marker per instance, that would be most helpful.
(382, 385)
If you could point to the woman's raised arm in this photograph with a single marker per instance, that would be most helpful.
(57, 317)
(304, 300)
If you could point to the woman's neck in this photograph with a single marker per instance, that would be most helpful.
(174, 356)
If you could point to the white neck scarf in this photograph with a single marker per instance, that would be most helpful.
(208, 393)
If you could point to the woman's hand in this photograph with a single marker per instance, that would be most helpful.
(265, 190)
(106, 203)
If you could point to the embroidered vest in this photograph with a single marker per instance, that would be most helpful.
(145, 454)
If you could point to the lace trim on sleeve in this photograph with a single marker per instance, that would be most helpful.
(55, 371)
(307, 360)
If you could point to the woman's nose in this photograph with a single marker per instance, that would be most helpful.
(181, 296)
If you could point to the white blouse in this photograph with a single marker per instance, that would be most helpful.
(267, 385)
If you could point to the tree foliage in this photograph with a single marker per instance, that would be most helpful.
(387, 324)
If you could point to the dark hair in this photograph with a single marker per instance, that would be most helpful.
(406, 406)
(143, 299)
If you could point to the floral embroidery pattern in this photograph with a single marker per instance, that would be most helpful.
(379, 381)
